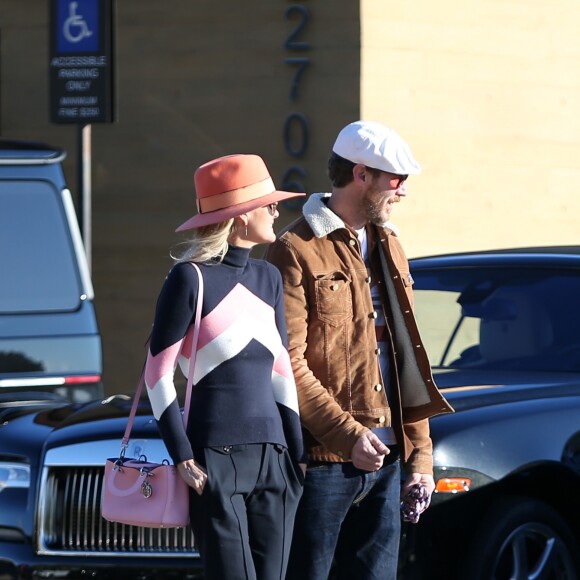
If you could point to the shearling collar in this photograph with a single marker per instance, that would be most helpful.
(323, 221)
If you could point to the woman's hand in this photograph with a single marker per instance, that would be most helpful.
(194, 475)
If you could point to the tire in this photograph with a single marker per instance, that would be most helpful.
(520, 539)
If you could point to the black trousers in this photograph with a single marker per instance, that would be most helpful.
(244, 519)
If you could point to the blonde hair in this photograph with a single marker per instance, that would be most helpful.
(206, 243)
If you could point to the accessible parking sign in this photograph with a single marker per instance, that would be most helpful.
(81, 61)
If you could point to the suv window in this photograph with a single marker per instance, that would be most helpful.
(514, 318)
(38, 261)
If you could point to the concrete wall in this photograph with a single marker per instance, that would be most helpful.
(488, 95)
(195, 80)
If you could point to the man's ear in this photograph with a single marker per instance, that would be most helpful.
(360, 172)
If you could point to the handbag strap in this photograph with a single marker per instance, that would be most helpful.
(139, 390)
(196, 326)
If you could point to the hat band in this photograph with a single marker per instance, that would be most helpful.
(235, 196)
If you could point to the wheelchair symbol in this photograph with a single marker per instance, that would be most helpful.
(75, 28)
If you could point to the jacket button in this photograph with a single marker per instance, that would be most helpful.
(381, 419)
(377, 351)
(334, 287)
(227, 448)
(368, 279)
(352, 242)
(378, 388)
(373, 314)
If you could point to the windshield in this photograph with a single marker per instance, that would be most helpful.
(37, 263)
(511, 318)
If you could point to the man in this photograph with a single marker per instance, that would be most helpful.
(364, 382)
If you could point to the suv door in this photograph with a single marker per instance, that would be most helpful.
(49, 337)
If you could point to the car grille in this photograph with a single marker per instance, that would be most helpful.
(70, 521)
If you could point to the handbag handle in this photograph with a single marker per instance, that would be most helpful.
(119, 491)
(139, 390)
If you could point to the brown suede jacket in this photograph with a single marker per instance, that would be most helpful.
(332, 340)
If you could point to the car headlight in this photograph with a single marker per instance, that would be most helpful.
(453, 481)
(14, 475)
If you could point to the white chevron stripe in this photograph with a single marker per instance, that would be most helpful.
(285, 392)
(233, 340)
(162, 394)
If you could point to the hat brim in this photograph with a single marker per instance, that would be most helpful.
(222, 215)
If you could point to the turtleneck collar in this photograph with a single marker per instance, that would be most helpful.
(236, 257)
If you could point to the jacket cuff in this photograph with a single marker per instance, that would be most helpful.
(419, 463)
(341, 444)
(421, 458)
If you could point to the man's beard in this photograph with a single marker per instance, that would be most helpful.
(375, 208)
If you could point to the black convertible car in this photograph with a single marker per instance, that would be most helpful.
(503, 332)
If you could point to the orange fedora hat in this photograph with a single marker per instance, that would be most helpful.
(229, 186)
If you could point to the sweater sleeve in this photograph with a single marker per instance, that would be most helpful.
(173, 317)
(284, 385)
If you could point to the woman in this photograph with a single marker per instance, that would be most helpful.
(242, 454)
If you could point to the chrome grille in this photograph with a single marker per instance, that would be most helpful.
(70, 521)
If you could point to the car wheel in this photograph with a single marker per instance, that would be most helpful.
(521, 539)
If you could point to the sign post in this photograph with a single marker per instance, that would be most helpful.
(82, 81)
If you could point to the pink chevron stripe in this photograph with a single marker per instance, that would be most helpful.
(239, 300)
(187, 343)
(161, 364)
(282, 365)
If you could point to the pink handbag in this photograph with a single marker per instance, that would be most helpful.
(140, 493)
(150, 495)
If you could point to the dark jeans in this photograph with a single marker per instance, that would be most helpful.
(349, 519)
(243, 520)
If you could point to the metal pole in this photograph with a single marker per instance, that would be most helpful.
(84, 181)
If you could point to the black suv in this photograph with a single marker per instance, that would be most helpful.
(49, 338)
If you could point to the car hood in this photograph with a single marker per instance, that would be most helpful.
(102, 419)
(468, 389)
(26, 429)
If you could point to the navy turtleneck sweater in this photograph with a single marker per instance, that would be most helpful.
(243, 386)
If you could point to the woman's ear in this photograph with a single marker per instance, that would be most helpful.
(241, 221)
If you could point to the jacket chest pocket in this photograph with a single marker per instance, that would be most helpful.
(333, 298)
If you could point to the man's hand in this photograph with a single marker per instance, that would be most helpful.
(194, 475)
(368, 452)
(424, 479)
